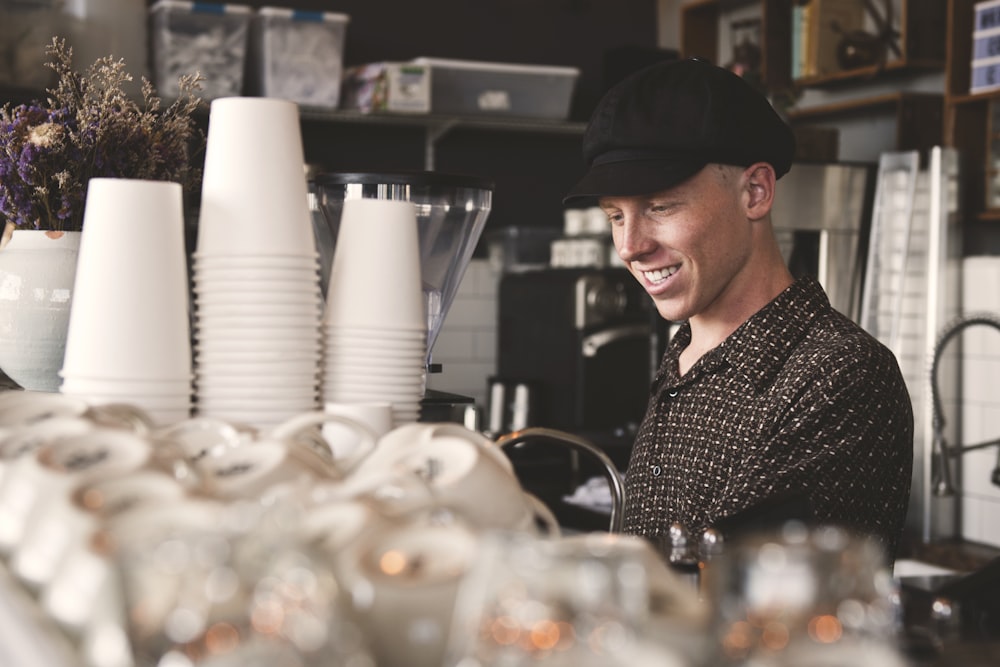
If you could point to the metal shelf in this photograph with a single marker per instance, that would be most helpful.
(435, 126)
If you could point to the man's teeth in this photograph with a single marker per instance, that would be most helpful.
(660, 274)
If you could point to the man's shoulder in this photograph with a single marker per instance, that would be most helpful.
(836, 342)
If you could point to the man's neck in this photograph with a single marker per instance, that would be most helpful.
(711, 328)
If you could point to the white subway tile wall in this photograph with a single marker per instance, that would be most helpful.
(980, 401)
(466, 345)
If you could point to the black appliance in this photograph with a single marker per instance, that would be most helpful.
(585, 342)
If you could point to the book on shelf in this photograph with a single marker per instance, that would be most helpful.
(986, 47)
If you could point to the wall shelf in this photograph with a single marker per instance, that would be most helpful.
(435, 127)
(918, 23)
(918, 116)
(969, 118)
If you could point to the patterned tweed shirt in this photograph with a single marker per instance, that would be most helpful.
(798, 400)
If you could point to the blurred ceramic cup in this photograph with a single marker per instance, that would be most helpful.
(63, 525)
(254, 191)
(344, 440)
(406, 577)
(130, 315)
(254, 471)
(18, 408)
(375, 279)
(303, 435)
(461, 470)
(49, 475)
(25, 439)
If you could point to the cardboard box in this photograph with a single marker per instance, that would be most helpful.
(208, 38)
(387, 87)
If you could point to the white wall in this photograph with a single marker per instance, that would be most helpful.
(980, 416)
(466, 346)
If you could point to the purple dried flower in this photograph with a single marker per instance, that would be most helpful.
(90, 128)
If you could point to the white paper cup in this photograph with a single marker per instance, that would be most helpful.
(254, 191)
(206, 296)
(375, 278)
(130, 301)
(209, 286)
(283, 362)
(415, 334)
(256, 262)
(125, 389)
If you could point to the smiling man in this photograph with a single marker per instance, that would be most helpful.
(767, 402)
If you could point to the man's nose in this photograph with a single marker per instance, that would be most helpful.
(632, 240)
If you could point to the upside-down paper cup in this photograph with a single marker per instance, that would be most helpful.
(130, 316)
(254, 199)
(375, 279)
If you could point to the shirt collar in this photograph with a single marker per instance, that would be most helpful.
(760, 346)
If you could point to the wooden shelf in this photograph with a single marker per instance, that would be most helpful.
(919, 23)
(440, 123)
(919, 116)
(853, 76)
(700, 35)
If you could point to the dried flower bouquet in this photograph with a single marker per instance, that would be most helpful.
(90, 128)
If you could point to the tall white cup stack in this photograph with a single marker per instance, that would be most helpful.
(255, 270)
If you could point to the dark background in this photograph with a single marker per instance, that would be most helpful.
(531, 170)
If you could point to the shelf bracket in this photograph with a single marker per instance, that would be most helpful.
(432, 135)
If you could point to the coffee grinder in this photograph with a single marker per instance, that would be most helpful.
(452, 210)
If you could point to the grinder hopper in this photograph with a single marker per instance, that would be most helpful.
(451, 214)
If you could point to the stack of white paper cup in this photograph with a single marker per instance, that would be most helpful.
(255, 271)
(129, 336)
(376, 329)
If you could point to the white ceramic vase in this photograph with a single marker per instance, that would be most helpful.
(37, 270)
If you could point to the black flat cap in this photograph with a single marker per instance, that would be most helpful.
(664, 123)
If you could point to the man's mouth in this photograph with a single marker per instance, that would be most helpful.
(659, 275)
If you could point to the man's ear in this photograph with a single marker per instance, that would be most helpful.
(759, 189)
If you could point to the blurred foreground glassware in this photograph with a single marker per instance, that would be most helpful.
(803, 596)
(245, 593)
(591, 599)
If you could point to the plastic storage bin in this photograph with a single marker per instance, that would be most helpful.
(471, 87)
(298, 55)
(203, 37)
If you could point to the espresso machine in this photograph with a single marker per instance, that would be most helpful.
(577, 350)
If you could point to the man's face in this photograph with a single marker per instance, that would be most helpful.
(685, 245)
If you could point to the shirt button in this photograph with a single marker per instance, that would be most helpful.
(657, 471)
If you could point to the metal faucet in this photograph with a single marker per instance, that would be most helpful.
(519, 438)
(943, 485)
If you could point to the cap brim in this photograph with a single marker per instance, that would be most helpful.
(629, 179)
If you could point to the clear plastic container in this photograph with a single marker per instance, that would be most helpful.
(202, 37)
(298, 55)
